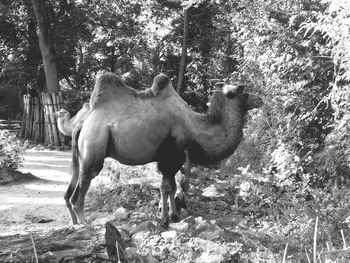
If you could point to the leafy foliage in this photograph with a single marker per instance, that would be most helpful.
(11, 150)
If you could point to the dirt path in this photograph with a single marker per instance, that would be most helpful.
(36, 204)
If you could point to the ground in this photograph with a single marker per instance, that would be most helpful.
(216, 227)
(36, 203)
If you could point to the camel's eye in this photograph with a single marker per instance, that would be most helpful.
(245, 97)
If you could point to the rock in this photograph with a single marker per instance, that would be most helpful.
(169, 235)
(215, 252)
(179, 226)
(213, 233)
(144, 226)
(131, 253)
(160, 252)
(121, 214)
(198, 219)
(202, 225)
(138, 215)
(210, 258)
(212, 191)
(139, 237)
(190, 220)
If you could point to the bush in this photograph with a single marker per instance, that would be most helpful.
(11, 149)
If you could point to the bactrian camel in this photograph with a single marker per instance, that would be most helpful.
(136, 130)
(67, 124)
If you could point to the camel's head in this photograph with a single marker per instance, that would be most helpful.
(236, 94)
(62, 113)
(231, 98)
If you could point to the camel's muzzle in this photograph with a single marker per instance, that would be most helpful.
(254, 102)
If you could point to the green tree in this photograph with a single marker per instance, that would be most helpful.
(46, 44)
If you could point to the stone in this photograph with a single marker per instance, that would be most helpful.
(190, 220)
(212, 191)
(160, 252)
(202, 225)
(131, 252)
(138, 215)
(210, 258)
(144, 226)
(169, 235)
(121, 214)
(139, 237)
(179, 226)
(214, 233)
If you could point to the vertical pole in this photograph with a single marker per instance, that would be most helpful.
(180, 82)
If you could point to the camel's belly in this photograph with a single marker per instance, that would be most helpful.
(135, 141)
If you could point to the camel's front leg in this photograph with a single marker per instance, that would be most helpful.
(167, 192)
(183, 185)
(169, 164)
(164, 194)
(173, 212)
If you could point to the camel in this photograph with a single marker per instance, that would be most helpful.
(135, 130)
(66, 124)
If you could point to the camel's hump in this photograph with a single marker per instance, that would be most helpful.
(109, 87)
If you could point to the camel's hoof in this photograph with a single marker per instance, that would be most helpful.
(174, 218)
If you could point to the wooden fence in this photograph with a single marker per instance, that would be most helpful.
(38, 122)
(12, 125)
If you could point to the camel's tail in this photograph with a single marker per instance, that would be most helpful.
(75, 149)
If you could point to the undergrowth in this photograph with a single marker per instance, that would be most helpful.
(266, 192)
(11, 150)
(276, 210)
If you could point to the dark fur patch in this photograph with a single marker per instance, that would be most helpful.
(170, 156)
(196, 154)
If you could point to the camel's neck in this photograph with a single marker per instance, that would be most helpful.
(216, 140)
(65, 126)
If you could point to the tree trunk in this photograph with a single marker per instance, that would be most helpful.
(180, 82)
(46, 45)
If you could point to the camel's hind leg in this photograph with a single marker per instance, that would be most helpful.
(75, 173)
(87, 173)
(92, 154)
(67, 196)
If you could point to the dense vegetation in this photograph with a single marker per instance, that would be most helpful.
(293, 165)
